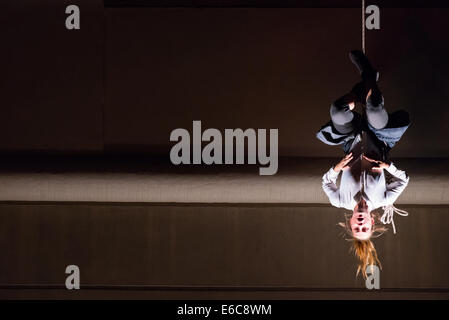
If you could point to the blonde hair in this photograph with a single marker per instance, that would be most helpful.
(364, 250)
(366, 253)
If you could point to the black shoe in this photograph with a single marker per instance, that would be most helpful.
(360, 90)
(363, 65)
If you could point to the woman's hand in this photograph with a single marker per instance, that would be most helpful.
(379, 165)
(343, 164)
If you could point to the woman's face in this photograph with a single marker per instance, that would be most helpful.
(361, 222)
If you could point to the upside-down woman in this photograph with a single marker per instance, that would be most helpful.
(367, 139)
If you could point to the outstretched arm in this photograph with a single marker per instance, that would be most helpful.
(397, 184)
(399, 179)
(330, 180)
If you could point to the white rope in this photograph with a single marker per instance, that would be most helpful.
(363, 26)
(389, 211)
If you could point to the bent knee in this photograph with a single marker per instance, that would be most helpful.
(341, 114)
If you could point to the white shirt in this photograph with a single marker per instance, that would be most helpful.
(359, 181)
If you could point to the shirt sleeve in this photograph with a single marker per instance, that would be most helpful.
(330, 187)
(397, 184)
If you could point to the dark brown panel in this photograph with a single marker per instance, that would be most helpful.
(229, 68)
(52, 78)
(212, 245)
(268, 68)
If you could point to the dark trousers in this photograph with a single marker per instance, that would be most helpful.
(344, 119)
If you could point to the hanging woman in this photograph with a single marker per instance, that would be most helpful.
(369, 180)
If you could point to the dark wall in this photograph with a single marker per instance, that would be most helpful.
(122, 83)
(412, 52)
(52, 78)
(212, 245)
(230, 68)
(269, 68)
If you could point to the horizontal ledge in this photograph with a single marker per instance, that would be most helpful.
(217, 288)
(195, 204)
(298, 181)
(268, 3)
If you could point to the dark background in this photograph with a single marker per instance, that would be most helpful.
(136, 71)
(133, 74)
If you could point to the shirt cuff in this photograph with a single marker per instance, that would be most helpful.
(333, 173)
(392, 168)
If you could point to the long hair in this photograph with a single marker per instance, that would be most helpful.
(366, 254)
(364, 250)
